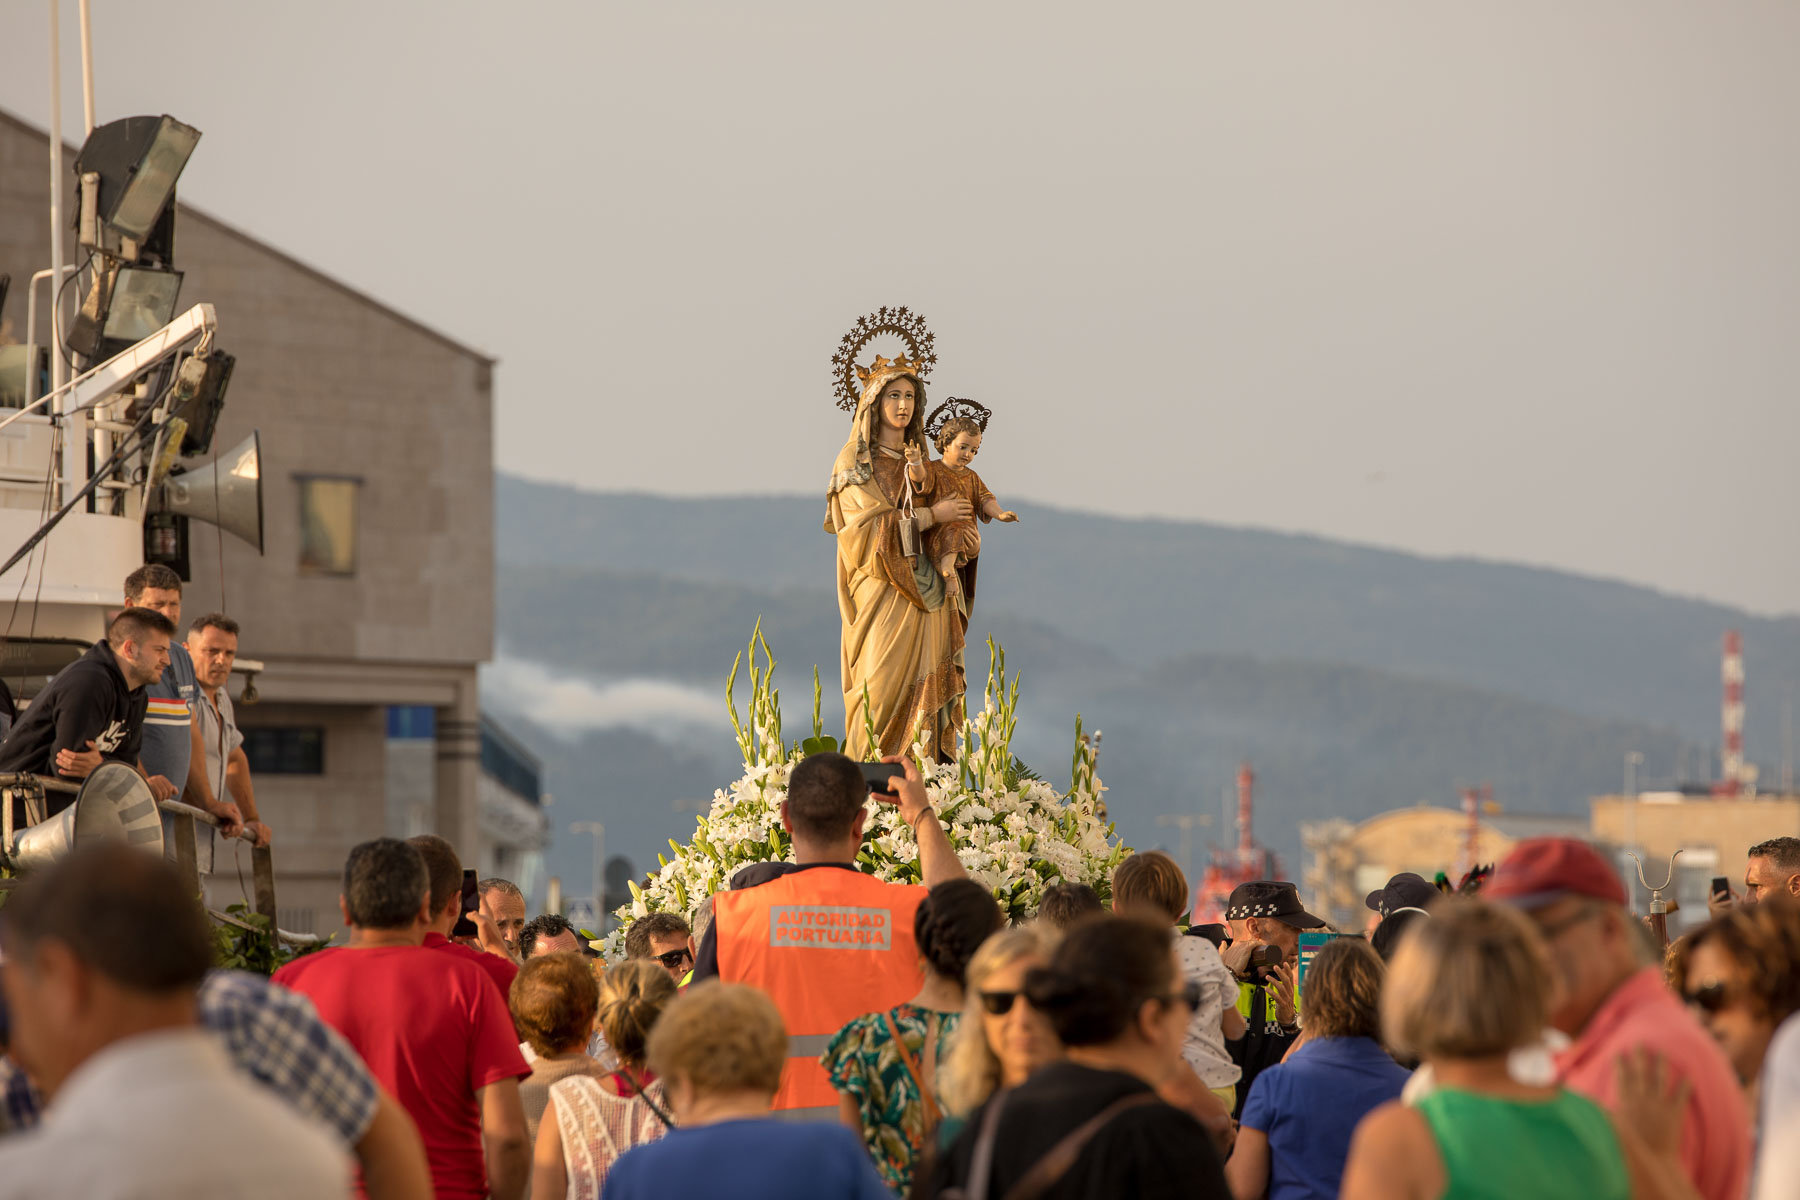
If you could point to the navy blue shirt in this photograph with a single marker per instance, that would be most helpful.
(1310, 1105)
(761, 1158)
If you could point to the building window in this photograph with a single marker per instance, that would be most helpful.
(285, 750)
(509, 764)
(411, 722)
(327, 524)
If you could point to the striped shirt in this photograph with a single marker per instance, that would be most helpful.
(168, 734)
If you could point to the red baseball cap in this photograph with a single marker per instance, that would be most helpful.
(1543, 869)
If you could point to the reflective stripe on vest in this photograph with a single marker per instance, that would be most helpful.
(827, 945)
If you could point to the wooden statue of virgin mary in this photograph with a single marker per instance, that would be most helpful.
(902, 637)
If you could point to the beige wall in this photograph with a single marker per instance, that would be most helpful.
(1709, 830)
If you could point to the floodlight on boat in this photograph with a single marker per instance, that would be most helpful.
(135, 162)
(126, 304)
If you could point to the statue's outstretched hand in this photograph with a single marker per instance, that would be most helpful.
(914, 455)
(1007, 515)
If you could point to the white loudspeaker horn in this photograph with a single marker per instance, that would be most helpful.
(114, 804)
(227, 492)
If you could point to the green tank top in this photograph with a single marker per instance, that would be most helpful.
(1498, 1149)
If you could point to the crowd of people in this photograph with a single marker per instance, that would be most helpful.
(811, 1031)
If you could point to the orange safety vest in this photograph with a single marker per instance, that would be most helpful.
(827, 945)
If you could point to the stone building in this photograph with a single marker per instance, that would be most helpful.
(374, 594)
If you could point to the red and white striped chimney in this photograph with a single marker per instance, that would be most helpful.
(1731, 758)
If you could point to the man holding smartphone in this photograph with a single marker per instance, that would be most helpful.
(452, 895)
(825, 941)
(1772, 876)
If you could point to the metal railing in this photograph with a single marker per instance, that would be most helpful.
(182, 847)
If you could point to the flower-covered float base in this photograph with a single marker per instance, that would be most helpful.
(1014, 832)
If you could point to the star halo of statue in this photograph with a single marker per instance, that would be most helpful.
(902, 650)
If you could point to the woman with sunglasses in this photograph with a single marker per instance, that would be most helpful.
(1465, 989)
(1741, 975)
(1092, 1125)
(1001, 1039)
(884, 1065)
(591, 1122)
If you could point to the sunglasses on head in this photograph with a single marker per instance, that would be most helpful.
(1708, 998)
(673, 958)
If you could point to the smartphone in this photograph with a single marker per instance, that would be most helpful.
(876, 775)
(1721, 886)
(471, 900)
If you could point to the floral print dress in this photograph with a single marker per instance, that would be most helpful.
(862, 1061)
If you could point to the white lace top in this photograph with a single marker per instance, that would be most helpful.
(597, 1127)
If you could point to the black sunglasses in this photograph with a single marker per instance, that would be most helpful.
(1188, 995)
(1709, 998)
(998, 1003)
(673, 958)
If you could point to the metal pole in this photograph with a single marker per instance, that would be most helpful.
(87, 67)
(1787, 741)
(1186, 823)
(1632, 759)
(57, 367)
(598, 829)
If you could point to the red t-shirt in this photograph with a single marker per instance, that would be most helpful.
(501, 970)
(432, 1031)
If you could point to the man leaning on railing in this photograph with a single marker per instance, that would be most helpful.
(213, 643)
(93, 711)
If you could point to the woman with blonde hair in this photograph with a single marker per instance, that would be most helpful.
(1001, 1038)
(1464, 990)
(592, 1121)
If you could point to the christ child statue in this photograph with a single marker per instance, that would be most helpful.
(956, 543)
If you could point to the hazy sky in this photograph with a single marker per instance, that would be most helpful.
(1517, 280)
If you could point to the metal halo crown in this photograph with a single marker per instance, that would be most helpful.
(952, 408)
(902, 323)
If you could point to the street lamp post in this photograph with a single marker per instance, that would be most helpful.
(1632, 761)
(598, 829)
(1187, 823)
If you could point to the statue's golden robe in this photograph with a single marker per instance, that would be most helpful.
(901, 641)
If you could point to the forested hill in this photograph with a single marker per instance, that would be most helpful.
(1146, 591)
(1356, 680)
